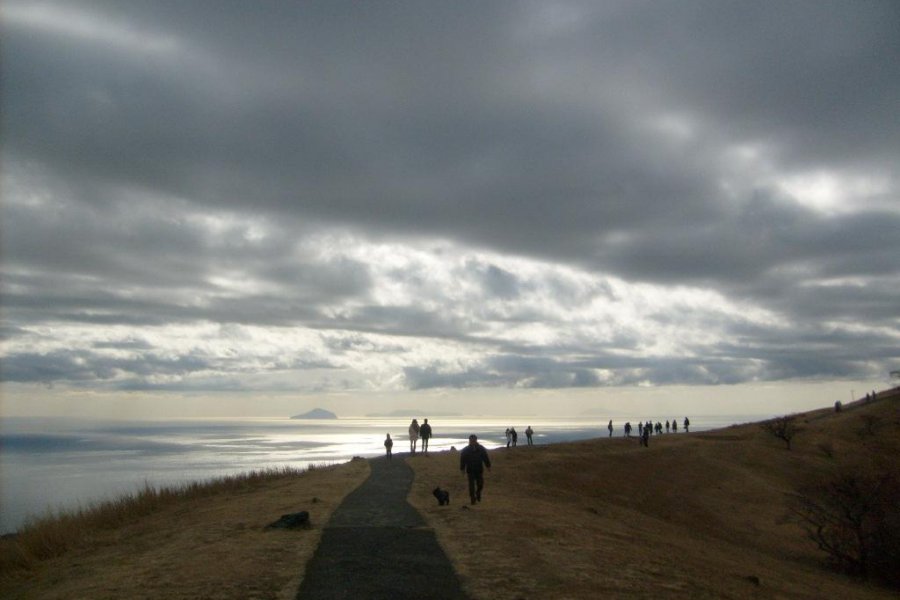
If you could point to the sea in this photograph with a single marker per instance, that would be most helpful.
(48, 465)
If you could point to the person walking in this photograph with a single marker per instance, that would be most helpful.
(610, 427)
(687, 424)
(528, 433)
(645, 437)
(472, 460)
(425, 434)
(388, 444)
(413, 435)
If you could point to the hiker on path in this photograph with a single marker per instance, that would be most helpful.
(528, 433)
(388, 444)
(674, 426)
(667, 426)
(413, 435)
(645, 437)
(515, 436)
(610, 427)
(472, 460)
(628, 429)
(687, 424)
(640, 429)
(508, 437)
(425, 434)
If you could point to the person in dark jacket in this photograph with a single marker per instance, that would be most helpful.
(425, 434)
(388, 445)
(472, 460)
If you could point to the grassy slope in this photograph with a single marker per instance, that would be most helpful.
(206, 547)
(693, 516)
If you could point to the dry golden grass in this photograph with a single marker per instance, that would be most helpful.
(197, 542)
(693, 516)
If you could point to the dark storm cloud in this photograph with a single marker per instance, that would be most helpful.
(175, 162)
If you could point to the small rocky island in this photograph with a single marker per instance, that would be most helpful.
(316, 413)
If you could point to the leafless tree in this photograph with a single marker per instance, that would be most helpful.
(784, 428)
(854, 518)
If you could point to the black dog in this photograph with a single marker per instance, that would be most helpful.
(443, 496)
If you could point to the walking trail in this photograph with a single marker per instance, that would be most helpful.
(376, 545)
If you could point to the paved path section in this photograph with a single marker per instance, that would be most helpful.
(378, 546)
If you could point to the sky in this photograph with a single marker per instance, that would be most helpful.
(244, 207)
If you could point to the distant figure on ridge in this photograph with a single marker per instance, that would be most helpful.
(640, 429)
(528, 433)
(687, 424)
(425, 434)
(413, 435)
(667, 426)
(610, 427)
(388, 444)
(472, 460)
(627, 428)
(645, 437)
(508, 437)
(515, 436)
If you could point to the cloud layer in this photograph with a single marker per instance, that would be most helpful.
(343, 196)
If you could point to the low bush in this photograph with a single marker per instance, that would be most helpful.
(853, 515)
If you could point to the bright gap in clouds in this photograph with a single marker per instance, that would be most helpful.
(83, 26)
(453, 316)
(836, 193)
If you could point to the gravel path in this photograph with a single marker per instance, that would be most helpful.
(378, 546)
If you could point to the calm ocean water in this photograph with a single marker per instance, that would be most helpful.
(52, 464)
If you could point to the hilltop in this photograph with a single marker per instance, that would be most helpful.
(693, 516)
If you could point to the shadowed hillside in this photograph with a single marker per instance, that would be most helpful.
(699, 515)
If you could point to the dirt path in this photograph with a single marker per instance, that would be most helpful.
(378, 546)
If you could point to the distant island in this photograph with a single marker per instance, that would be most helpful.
(413, 412)
(316, 413)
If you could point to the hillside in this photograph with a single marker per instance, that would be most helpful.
(692, 516)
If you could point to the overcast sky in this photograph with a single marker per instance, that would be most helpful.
(370, 197)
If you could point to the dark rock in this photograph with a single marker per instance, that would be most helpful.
(753, 579)
(297, 520)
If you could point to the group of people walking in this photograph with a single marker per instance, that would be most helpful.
(416, 432)
(472, 460)
(512, 436)
(645, 430)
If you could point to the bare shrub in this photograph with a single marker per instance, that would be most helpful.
(784, 428)
(854, 517)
